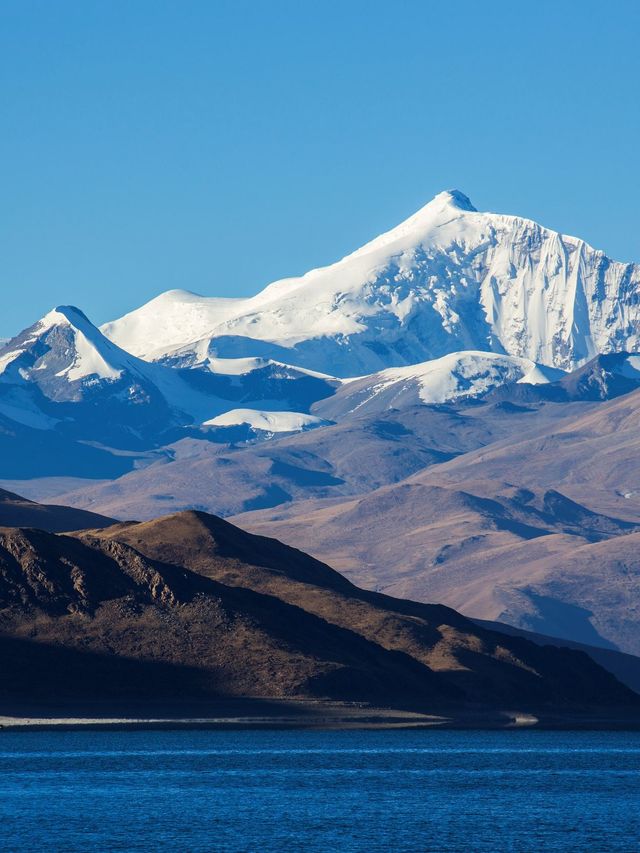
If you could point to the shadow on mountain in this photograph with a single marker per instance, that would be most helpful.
(26, 453)
(303, 476)
(33, 671)
(559, 618)
(270, 496)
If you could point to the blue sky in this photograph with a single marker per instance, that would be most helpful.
(217, 146)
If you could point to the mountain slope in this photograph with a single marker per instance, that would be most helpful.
(331, 462)
(603, 378)
(106, 600)
(591, 454)
(626, 668)
(447, 279)
(458, 376)
(62, 375)
(189, 607)
(16, 511)
(485, 533)
(478, 666)
(491, 558)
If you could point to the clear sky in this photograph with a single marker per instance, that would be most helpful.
(216, 146)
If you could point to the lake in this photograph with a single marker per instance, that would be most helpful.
(440, 791)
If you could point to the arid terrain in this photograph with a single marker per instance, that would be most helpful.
(188, 608)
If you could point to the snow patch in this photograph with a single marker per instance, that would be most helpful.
(7, 358)
(630, 367)
(267, 421)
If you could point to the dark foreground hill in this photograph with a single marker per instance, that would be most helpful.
(189, 607)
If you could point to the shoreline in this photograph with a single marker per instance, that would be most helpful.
(297, 714)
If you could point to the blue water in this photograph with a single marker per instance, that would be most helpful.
(320, 791)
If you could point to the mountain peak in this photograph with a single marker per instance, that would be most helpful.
(72, 313)
(417, 228)
(448, 278)
(453, 198)
(67, 343)
(64, 315)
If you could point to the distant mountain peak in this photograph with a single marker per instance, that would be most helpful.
(448, 278)
(69, 313)
(453, 198)
(83, 352)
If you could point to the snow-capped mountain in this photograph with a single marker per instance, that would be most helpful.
(62, 373)
(76, 380)
(64, 344)
(451, 304)
(447, 279)
(437, 385)
(458, 376)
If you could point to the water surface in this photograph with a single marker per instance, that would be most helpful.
(440, 791)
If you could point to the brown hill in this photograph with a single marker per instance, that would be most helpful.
(440, 656)
(626, 668)
(554, 568)
(75, 597)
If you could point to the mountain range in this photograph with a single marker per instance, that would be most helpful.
(449, 414)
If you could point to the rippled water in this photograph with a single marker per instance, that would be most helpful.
(316, 791)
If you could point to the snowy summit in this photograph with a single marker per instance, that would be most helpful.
(447, 279)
